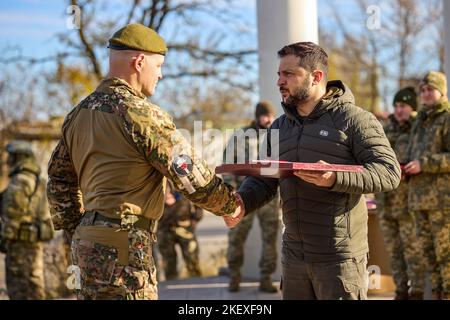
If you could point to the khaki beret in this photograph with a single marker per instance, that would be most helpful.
(138, 37)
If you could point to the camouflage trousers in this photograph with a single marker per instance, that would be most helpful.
(186, 239)
(25, 270)
(407, 263)
(124, 269)
(433, 231)
(269, 221)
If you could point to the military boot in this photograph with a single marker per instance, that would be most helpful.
(235, 280)
(266, 285)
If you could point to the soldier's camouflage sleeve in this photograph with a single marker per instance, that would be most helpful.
(63, 193)
(439, 162)
(167, 150)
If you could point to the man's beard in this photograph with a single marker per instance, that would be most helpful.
(300, 96)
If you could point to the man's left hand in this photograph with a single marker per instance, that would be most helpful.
(318, 178)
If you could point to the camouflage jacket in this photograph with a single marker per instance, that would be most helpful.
(24, 199)
(116, 152)
(430, 144)
(395, 203)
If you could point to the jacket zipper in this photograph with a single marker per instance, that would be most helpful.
(298, 159)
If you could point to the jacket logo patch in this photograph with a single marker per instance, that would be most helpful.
(323, 133)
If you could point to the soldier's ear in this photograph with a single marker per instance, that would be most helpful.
(138, 62)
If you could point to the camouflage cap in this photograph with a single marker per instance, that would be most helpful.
(138, 37)
(19, 147)
(437, 80)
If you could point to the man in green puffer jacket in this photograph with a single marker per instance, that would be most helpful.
(325, 244)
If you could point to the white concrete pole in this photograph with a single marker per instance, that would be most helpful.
(446, 6)
(280, 22)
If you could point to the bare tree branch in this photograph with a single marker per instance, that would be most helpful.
(200, 53)
(88, 46)
(196, 52)
(133, 8)
(33, 60)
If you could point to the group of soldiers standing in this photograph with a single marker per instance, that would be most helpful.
(415, 218)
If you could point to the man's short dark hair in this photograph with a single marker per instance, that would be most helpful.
(312, 56)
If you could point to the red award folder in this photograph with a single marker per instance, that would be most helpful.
(278, 169)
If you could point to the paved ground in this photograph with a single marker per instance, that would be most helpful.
(211, 288)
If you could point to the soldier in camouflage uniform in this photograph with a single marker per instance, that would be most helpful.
(26, 224)
(177, 226)
(397, 222)
(429, 170)
(269, 215)
(107, 175)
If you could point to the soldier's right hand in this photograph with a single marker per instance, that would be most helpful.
(233, 220)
